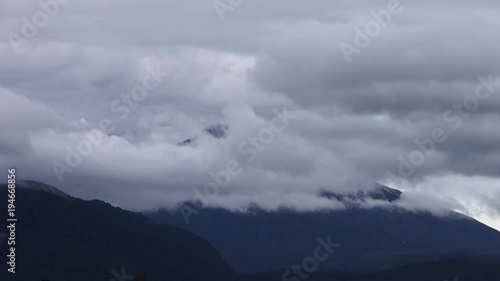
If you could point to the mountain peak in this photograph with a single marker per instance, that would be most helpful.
(217, 131)
(380, 192)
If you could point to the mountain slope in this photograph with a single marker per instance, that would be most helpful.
(371, 239)
(61, 238)
(442, 270)
(65, 238)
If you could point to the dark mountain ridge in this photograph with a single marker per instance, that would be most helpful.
(379, 192)
(62, 238)
(371, 239)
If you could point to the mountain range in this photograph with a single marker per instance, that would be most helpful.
(370, 239)
(60, 237)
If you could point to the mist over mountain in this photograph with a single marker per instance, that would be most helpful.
(66, 238)
(217, 131)
(250, 140)
(379, 193)
(372, 238)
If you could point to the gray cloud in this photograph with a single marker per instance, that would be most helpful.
(354, 120)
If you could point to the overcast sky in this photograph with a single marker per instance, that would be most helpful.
(408, 88)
